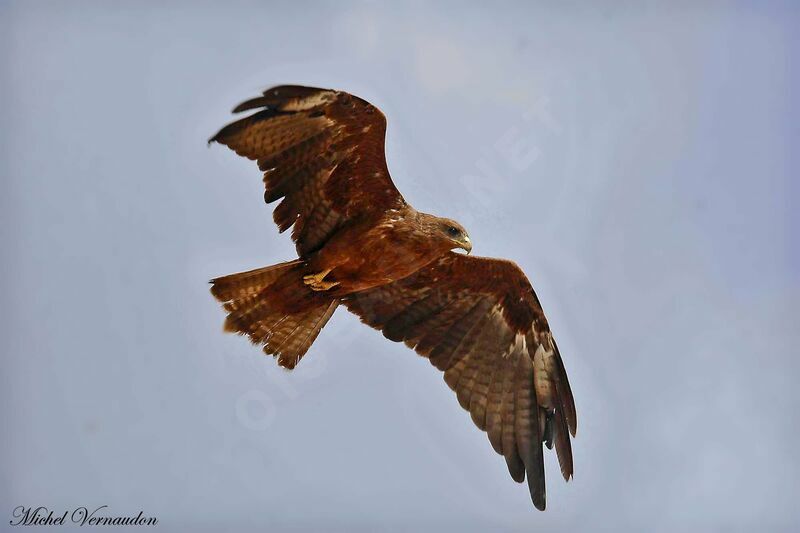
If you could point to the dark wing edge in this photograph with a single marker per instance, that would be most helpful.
(479, 320)
(322, 151)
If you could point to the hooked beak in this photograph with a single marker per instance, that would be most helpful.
(466, 245)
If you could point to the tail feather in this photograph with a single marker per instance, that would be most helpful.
(235, 287)
(273, 307)
(289, 345)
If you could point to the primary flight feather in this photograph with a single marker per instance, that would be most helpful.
(360, 244)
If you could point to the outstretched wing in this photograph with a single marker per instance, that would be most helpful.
(322, 152)
(479, 321)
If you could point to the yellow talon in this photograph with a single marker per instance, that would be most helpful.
(315, 281)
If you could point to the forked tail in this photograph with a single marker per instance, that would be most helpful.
(273, 307)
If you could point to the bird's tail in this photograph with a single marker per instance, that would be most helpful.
(273, 307)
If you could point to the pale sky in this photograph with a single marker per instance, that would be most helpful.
(635, 160)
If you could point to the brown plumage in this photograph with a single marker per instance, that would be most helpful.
(361, 245)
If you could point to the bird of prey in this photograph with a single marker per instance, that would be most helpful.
(361, 245)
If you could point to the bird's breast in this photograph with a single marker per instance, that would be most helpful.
(386, 253)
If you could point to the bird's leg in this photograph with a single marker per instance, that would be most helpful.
(317, 283)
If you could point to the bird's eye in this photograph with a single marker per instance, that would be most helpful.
(453, 232)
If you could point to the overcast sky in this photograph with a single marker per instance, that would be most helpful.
(640, 163)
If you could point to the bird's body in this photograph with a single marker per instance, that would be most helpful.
(395, 247)
(361, 245)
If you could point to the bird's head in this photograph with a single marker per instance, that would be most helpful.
(453, 234)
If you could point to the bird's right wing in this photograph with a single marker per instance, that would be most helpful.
(478, 320)
(322, 151)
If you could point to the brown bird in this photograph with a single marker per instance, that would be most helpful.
(361, 245)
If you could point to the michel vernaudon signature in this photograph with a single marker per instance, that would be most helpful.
(42, 516)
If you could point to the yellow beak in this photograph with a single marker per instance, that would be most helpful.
(466, 244)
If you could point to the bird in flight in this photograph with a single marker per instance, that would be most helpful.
(361, 245)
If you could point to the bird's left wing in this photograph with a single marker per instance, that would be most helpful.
(478, 320)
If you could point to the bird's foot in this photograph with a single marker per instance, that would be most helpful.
(317, 281)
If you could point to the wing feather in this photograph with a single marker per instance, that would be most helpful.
(446, 353)
(479, 321)
(494, 405)
(466, 384)
(322, 151)
(526, 428)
